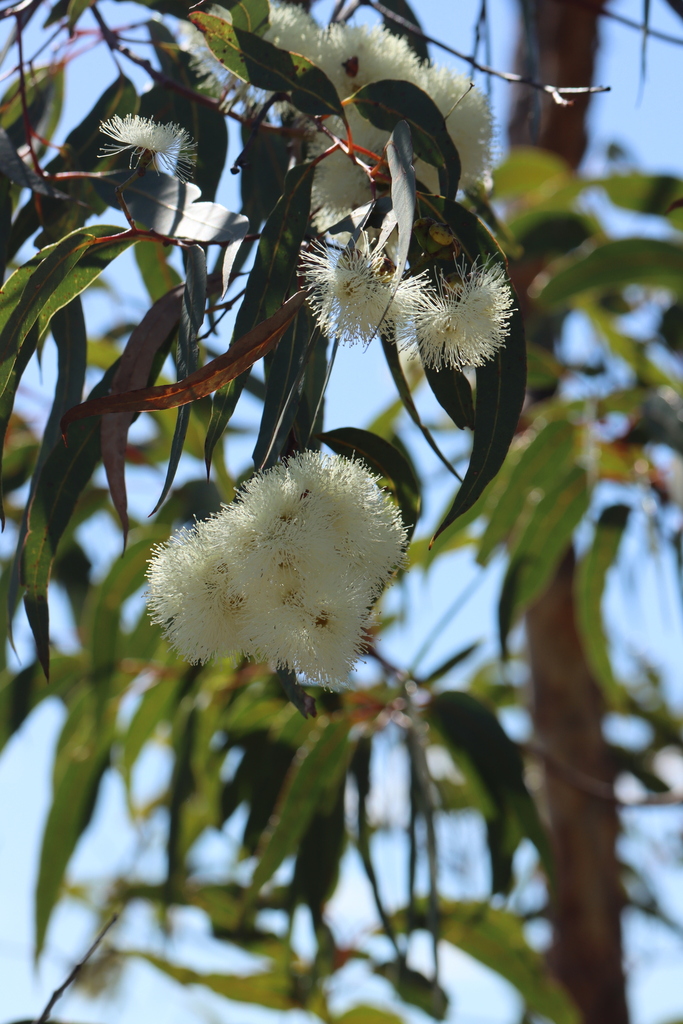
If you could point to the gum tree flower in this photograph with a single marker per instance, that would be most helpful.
(465, 321)
(165, 147)
(286, 573)
(351, 291)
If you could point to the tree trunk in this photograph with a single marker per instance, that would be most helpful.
(567, 708)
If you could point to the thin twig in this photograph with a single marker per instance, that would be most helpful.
(28, 130)
(240, 161)
(557, 93)
(602, 12)
(596, 787)
(59, 992)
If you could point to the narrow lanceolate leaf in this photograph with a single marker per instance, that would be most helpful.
(35, 292)
(539, 466)
(389, 101)
(64, 476)
(169, 206)
(269, 283)
(257, 61)
(588, 591)
(648, 261)
(132, 374)
(82, 757)
(501, 382)
(400, 160)
(191, 318)
(539, 550)
(396, 370)
(68, 330)
(20, 173)
(239, 357)
(469, 728)
(285, 376)
(452, 391)
(314, 774)
(272, 989)
(380, 457)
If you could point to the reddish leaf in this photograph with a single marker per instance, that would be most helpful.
(239, 357)
(133, 373)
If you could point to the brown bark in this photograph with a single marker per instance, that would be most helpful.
(567, 708)
(567, 44)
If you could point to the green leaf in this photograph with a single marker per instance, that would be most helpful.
(251, 15)
(156, 706)
(394, 363)
(389, 101)
(281, 402)
(540, 548)
(191, 318)
(470, 728)
(36, 291)
(549, 451)
(452, 391)
(81, 761)
(404, 10)
(257, 61)
(65, 475)
(647, 261)
(269, 989)
(313, 776)
(496, 939)
(156, 272)
(588, 590)
(169, 206)
(400, 160)
(20, 173)
(367, 1015)
(68, 330)
(501, 382)
(75, 9)
(380, 457)
(269, 282)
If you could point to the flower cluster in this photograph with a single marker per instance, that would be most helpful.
(287, 573)
(168, 146)
(354, 56)
(462, 322)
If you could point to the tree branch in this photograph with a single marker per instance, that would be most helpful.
(59, 992)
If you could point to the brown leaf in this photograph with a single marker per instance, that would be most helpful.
(239, 357)
(133, 373)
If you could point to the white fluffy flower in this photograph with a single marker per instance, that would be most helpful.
(353, 56)
(465, 321)
(216, 78)
(170, 147)
(351, 291)
(287, 573)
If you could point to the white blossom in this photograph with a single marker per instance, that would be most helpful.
(351, 291)
(353, 56)
(286, 573)
(464, 322)
(218, 80)
(171, 147)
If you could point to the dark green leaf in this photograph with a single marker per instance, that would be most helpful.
(191, 318)
(452, 391)
(501, 382)
(257, 61)
(380, 457)
(65, 475)
(68, 330)
(471, 729)
(400, 160)
(156, 272)
(20, 173)
(313, 776)
(405, 11)
(269, 282)
(389, 101)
